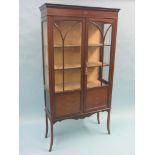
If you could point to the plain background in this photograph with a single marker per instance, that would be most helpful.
(145, 127)
(86, 135)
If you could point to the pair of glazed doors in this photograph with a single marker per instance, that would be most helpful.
(83, 57)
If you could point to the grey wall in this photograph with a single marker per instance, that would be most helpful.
(31, 82)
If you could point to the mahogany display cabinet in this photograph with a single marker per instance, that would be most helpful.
(78, 45)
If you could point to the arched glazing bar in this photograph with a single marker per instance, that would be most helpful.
(103, 36)
(63, 37)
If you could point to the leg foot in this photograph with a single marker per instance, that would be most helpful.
(108, 122)
(46, 133)
(51, 143)
(98, 117)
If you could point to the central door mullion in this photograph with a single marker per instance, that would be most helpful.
(85, 63)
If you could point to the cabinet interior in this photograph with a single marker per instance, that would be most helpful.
(67, 55)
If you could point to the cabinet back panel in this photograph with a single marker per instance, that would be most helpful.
(72, 79)
(72, 55)
(93, 74)
(73, 30)
(71, 76)
(93, 54)
(94, 35)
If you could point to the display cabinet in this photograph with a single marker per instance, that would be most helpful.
(78, 46)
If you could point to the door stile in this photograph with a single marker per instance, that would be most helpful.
(51, 64)
(82, 21)
(100, 95)
(101, 57)
(112, 60)
(85, 65)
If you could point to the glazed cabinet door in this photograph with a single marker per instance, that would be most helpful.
(68, 45)
(97, 63)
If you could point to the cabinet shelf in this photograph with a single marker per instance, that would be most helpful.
(76, 86)
(96, 64)
(97, 45)
(69, 45)
(72, 66)
(74, 45)
(67, 66)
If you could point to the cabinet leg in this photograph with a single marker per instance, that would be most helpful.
(98, 117)
(46, 133)
(46, 117)
(51, 143)
(108, 122)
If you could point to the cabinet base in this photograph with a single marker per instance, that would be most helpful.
(47, 116)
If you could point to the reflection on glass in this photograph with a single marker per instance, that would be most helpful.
(107, 32)
(105, 73)
(106, 56)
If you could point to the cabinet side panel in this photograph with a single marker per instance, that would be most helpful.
(48, 100)
(45, 48)
(112, 60)
(45, 65)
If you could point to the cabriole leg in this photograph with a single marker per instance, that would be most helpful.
(51, 143)
(46, 133)
(108, 122)
(46, 117)
(98, 117)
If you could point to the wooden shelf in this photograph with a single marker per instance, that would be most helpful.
(76, 86)
(97, 45)
(67, 66)
(67, 86)
(90, 45)
(94, 64)
(91, 84)
(104, 65)
(60, 46)
(72, 66)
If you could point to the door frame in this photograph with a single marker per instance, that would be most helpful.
(112, 50)
(82, 20)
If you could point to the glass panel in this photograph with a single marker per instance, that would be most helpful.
(105, 73)
(58, 80)
(106, 56)
(99, 45)
(107, 40)
(67, 55)
(92, 78)
(45, 46)
(72, 79)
